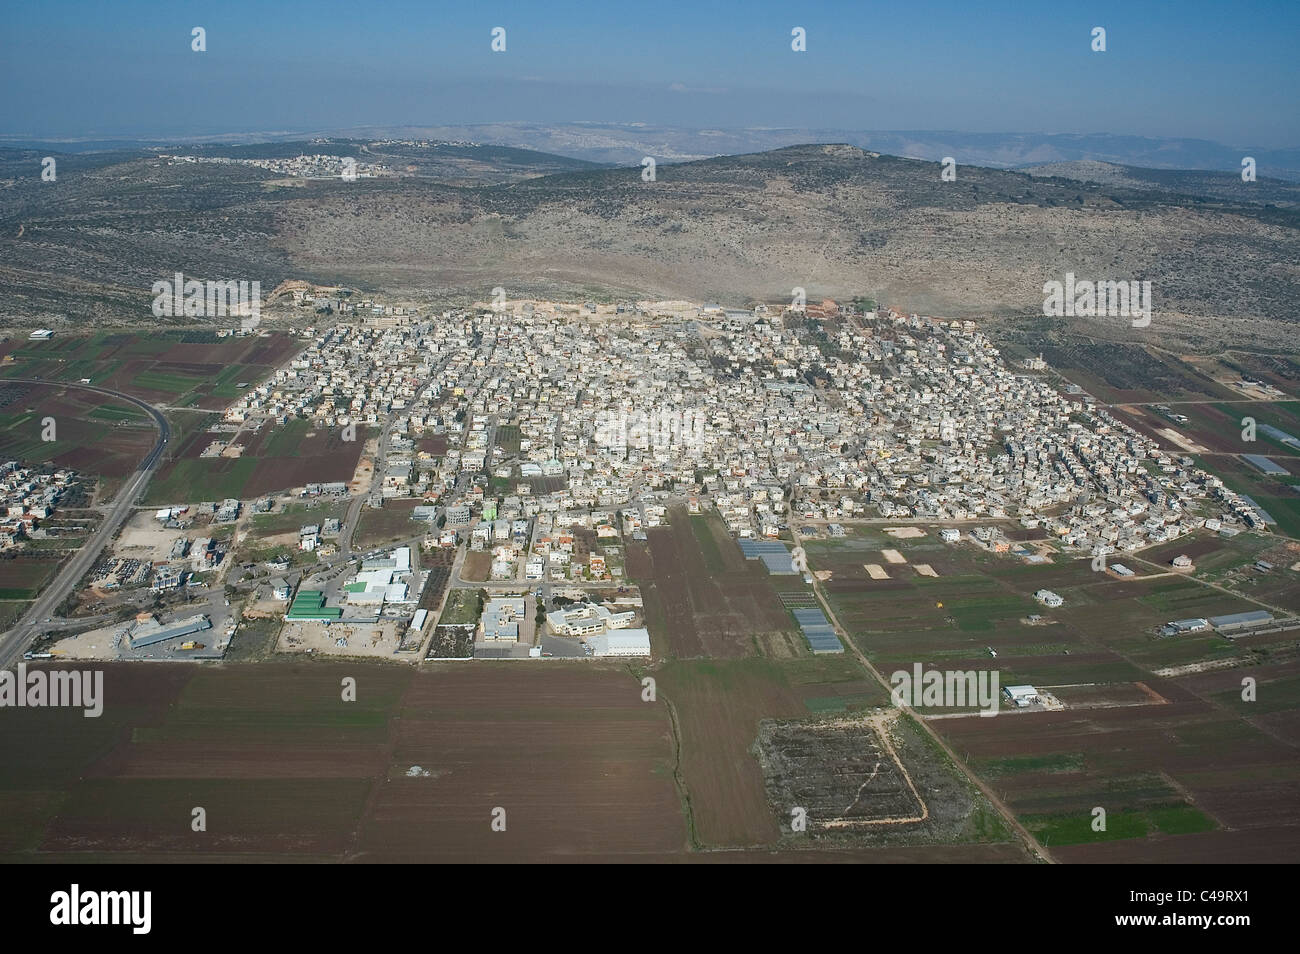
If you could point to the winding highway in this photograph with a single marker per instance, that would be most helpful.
(15, 641)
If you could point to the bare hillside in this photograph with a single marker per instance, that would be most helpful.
(832, 219)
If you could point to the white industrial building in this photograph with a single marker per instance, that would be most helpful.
(623, 642)
(1180, 626)
(149, 631)
(374, 587)
(1021, 696)
(375, 584)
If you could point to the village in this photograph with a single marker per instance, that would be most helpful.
(517, 447)
(897, 417)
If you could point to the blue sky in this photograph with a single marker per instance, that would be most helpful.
(1221, 71)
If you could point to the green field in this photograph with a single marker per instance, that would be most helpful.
(203, 479)
(225, 383)
(463, 606)
(168, 362)
(22, 578)
(1015, 765)
(1076, 829)
(284, 440)
(122, 413)
(297, 515)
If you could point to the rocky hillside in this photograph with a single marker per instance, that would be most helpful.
(832, 219)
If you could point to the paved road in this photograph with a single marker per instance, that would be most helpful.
(14, 642)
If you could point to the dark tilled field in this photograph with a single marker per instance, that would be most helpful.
(579, 764)
(274, 459)
(285, 768)
(702, 598)
(1190, 757)
(111, 447)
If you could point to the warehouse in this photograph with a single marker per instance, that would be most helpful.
(309, 605)
(1265, 466)
(1236, 622)
(1021, 696)
(375, 587)
(150, 631)
(622, 642)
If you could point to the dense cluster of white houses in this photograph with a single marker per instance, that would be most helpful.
(306, 165)
(28, 496)
(537, 410)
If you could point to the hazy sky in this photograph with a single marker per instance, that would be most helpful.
(1225, 71)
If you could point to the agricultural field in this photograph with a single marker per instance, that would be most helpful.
(189, 368)
(581, 766)
(1183, 768)
(876, 780)
(703, 598)
(979, 604)
(1279, 496)
(1231, 563)
(285, 769)
(1130, 373)
(1189, 780)
(93, 434)
(1218, 426)
(1214, 556)
(98, 435)
(275, 458)
(1213, 436)
(389, 524)
(718, 706)
(22, 577)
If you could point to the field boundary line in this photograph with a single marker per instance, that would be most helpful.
(1037, 849)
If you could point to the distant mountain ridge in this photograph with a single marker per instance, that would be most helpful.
(627, 143)
(836, 220)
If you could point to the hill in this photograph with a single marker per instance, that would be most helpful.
(835, 220)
